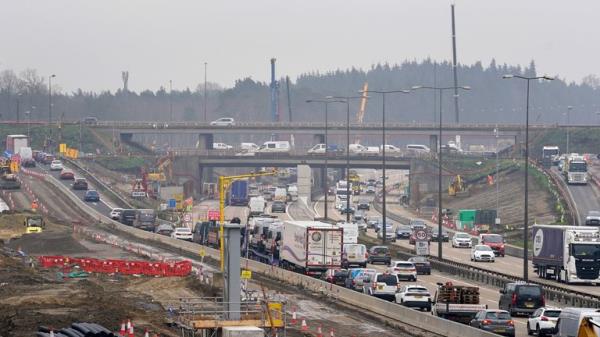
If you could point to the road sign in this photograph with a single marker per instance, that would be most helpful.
(202, 252)
(246, 274)
(172, 203)
(187, 217)
(421, 235)
(422, 248)
(213, 215)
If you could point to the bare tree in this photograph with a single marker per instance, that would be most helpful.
(34, 83)
(591, 80)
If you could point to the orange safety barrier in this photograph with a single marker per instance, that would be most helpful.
(126, 267)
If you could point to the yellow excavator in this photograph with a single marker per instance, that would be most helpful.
(457, 187)
(34, 224)
(587, 327)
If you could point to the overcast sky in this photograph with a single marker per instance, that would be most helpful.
(87, 43)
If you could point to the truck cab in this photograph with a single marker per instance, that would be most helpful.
(34, 224)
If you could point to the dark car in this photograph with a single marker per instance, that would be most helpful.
(435, 235)
(363, 204)
(128, 217)
(80, 184)
(417, 224)
(422, 264)
(379, 254)
(521, 298)
(278, 207)
(28, 162)
(336, 276)
(403, 232)
(494, 321)
(91, 195)
(351, 274)
(358, 216)
(345, 210)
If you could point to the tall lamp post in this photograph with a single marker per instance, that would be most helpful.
(383, 178)
(325, 179)
(347, 99)
(441, 90)
(526, 210)
(28, 113)
(50, 105)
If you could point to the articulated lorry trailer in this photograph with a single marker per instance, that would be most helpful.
(567, 254)
(311, 247)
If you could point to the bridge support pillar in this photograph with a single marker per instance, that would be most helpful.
(304, 181)
(206, 176)
(205, 141)
(433, 143)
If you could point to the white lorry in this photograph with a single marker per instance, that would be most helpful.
(292, 192)
(350, 231)
(568, 254)
(280, 194)
(311, 247)
(257, 205)
(575, 169)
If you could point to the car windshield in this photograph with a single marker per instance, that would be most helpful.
(462, 235)
(94, 193)
(404, 228)
(405, 265)
(552, 313)
(418, 259)
(499, 315)
(532, 291)
(388, 279)
(417, 290)
(594, 213)
(380, 250)
(483, 248)
(183, 230)
(493, 238)
(578, 167)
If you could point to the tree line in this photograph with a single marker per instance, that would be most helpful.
(491, 99)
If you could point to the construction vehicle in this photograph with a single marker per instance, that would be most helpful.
(588, 327)
(8, 180)
(34, 224)
(457, 187)
(354, 178)
(457, 303)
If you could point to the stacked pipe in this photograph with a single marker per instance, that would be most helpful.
(76, 330)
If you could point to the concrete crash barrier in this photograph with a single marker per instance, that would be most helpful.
(388, 310)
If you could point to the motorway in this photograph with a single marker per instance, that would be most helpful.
(585, 197)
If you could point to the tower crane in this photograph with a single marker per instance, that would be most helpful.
(363, 104)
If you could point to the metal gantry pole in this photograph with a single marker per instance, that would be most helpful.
(440, 241)
(384, 210)
(526, 215)
(205, 91)
(348, 159)
(326, 181)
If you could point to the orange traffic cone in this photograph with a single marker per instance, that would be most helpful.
(294, 319)
(304, 327)
(331, 334)
(319, 331)
(122, 331)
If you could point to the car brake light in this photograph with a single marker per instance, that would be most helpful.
(511, 323)
(514, 299)
(486, 322)
(366, 255)
(544, 318)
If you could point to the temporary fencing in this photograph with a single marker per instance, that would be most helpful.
(125, 267)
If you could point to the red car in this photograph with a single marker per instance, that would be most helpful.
(67, 175)
(494, 241)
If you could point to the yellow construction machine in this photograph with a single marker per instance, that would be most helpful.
(457, 187)
(34, 224)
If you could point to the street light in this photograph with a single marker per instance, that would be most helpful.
(50, 104)
(441, 90)
(347, 99)
(325, 180)
(28, 113)
(526, 210)
(383, 179)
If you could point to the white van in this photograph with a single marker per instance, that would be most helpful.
(350, 234)
(222, 146)
(275, 147)
(418, 148)
(249, 147)
(570, 318)
(357, 148)
(354, 254)
(390, 148)
(257, 205)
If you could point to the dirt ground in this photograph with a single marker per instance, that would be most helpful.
(511, 199)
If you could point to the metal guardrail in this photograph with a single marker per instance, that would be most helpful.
(99, 184)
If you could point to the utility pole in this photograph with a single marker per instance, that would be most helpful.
(171, 99)
(454, 66)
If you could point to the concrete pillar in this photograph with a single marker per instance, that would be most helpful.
(205, 141)
(233, 271)
(304, 181)
(126, 137)
(433, 142)
(319, 139)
